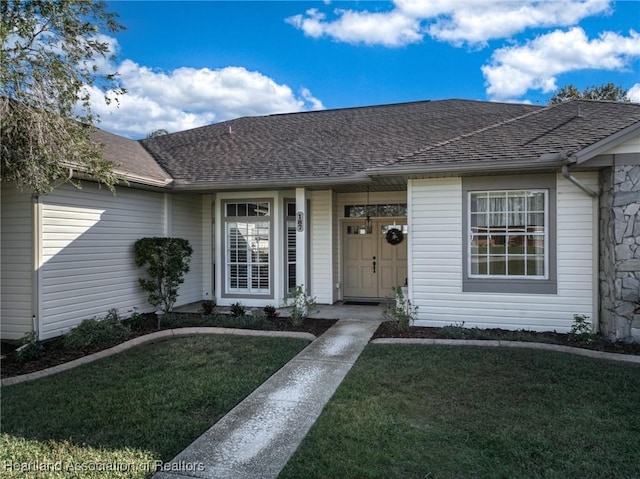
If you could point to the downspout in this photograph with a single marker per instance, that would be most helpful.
(36, 297)
(596, 242)
(567, 174)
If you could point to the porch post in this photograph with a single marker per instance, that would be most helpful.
(301, 238)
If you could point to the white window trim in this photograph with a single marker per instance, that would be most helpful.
(248, 292)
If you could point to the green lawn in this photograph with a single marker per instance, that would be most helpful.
(133, 409)
(463, 412)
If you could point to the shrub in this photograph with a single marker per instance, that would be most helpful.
(94, 331)
(581, 330)
(299, 305)
(208, 306)
(270, 312)
(400, 313)
(166, 261)
(135, 322)
(238, 310)
(458, 331)
(30, 347)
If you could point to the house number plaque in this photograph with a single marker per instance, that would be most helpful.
(300, 221)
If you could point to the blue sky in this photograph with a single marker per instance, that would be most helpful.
(187, 64)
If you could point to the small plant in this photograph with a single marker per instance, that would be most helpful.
(300, 305)
(30, 347)
(270, 312)
(95, 331)
(136, 322)
(400, 313)
(238, 310)
(208, 306)
(166, 261)
(455, 331)
(581, 330)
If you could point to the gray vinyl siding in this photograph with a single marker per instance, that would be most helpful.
(87, 253)
(16, 277)
(187, 223)
(436, 256)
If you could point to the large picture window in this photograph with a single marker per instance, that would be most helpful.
(508, 233)
(248, 248)
(509, 226)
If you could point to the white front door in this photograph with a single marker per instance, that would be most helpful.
(373, 265)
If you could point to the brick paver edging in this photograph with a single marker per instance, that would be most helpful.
(629, 358)
(151, 338)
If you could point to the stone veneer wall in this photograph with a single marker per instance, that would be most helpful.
(620, 252)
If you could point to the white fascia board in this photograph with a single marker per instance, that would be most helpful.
(603, 146)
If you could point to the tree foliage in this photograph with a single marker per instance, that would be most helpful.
(52, 50)
(158, 132)
(607, 91)
(166, 261)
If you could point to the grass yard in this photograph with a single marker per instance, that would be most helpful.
(461, 412)
(132, 410)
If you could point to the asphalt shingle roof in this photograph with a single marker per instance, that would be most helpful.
(351, 143)
(322, 144)
(563, 128)
(129, 156)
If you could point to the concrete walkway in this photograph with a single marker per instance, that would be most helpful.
(258, 436)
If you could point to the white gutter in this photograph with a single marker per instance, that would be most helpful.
(143, 179)
(271, 184)
(465, 167)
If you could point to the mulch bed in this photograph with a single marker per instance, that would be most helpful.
(54, 353)
(599, 343)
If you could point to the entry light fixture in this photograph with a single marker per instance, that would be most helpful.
(368, 224)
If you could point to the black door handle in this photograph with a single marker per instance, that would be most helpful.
(374, 264)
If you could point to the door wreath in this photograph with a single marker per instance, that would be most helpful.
(394, 236)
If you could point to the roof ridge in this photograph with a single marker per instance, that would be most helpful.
(467, 135)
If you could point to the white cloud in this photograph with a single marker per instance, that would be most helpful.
(477, 22)
(458, 22)
(512, 71)
(188, 97)
(634, 93)
(391, 29)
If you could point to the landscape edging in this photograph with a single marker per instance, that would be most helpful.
(590, 353)
(151, 338)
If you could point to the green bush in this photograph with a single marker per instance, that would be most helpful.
(299, 305)
(30, 347)
(270, 312)
(166, 261)
(238, 310)
(95, 331)
(400, 313)
(581, 330)
(208, 306)
(136, 322)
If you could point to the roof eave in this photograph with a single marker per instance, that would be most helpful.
(607, 143)
(231, 185)
(472, 167)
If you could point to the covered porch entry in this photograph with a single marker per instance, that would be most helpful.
(373, 246)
